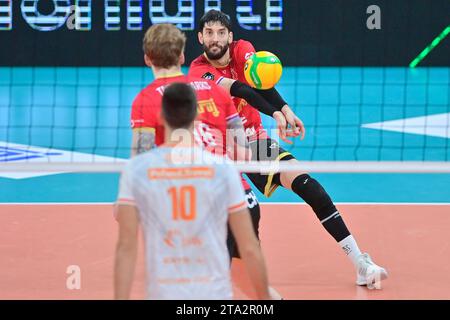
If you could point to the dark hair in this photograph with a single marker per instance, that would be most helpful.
(179, 105)
(215, 16)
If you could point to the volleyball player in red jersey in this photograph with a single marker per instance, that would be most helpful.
(215, 109)
(163, 47)
(223, 61)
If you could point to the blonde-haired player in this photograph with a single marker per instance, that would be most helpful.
(218, 128)
(183, 196)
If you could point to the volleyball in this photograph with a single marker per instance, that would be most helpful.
(263, 70)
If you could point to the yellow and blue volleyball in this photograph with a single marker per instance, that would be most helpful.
(263, 70)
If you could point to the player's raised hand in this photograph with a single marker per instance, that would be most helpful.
(297, 126)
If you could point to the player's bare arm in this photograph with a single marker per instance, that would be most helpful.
(297, 127)
(241, 90)
(143, 140)
(126, 251)
(248, 245)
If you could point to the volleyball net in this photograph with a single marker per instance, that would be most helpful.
(357, 119)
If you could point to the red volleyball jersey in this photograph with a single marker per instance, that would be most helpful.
(240, 51)
(215, 109)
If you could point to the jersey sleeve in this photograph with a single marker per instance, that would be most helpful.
(236, 196)
(125, 195)
(142, 113)
(243, 51)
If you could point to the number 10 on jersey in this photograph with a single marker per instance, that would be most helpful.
(183, 202)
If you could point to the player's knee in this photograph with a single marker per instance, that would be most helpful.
(287, 178)
(310, 190)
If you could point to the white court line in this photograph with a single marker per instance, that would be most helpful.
(261, 203)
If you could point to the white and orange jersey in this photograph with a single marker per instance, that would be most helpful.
(183, 210)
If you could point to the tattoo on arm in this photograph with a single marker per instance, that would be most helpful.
(143, 141)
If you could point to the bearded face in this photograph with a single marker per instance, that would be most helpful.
(215, 39)
(215, 51)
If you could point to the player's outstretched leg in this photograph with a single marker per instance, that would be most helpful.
(312, 192)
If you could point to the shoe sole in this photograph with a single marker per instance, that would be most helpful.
(383, 276)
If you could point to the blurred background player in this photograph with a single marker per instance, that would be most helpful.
(183, 209)
(223, 61)
(219, 128)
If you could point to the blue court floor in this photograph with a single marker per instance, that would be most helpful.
(88, 109)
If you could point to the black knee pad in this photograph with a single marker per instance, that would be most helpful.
(312, 192)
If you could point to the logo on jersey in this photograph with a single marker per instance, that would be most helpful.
(208, 76)
(137, 122)
(241, 105)
(208, 106)
(175, 238)
(252, 201)
(248, 55)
